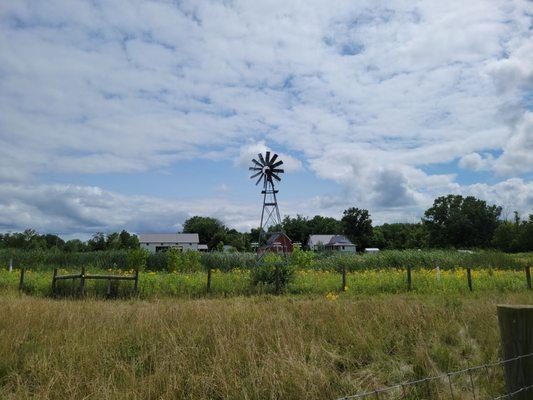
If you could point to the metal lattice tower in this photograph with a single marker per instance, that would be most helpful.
(266, 169)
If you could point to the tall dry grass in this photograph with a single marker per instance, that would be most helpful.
(241, 348)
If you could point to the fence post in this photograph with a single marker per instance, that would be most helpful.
(469, 277)
(528, 276)
(208, 288)
(136, 281)
(409, 278)
(21, 282)
(516, 330)
(11, 264)
(82, 281)
(343, 289)
(54, 281)
(278, 279)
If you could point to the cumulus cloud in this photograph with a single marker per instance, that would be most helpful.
(367, 94)
(86, 209)
(476, 162)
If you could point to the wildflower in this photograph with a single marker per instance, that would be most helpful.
(332, 296)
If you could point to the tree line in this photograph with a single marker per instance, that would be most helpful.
(452, 221)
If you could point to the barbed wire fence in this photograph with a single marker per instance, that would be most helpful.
(481, 382)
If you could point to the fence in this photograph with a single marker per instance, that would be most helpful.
(470, 383)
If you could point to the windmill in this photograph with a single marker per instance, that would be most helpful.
(266, 170)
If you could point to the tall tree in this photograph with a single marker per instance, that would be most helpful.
(206, 228)
(457, 221)
(296, 228)
(357, 226)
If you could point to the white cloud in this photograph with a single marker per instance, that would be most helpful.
(363, 93)
(476, 162)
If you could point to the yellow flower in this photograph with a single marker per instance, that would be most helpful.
(332, 296)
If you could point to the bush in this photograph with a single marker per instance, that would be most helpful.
(136, 259)
(178, 261)
(265, 272)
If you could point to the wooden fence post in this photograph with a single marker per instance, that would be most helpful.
(343, 289)
(82, 281)
(21, 282)
(136, 282)
(208, 288)
(409, 278)
(528, 276)
(54, 282)
(516, 330)
(278, 279)
(469, 278)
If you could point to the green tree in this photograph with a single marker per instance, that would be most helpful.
(205, 227)
(297, 229)
(74, 246)
(97, 242)
(399, 236)
(457, 221)
(357, 226)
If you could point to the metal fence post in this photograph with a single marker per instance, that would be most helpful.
(516, 330)
(528, 276)
(469, 277)
(409, 278)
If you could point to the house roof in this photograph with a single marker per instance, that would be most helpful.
(169, 238)
(328, 240)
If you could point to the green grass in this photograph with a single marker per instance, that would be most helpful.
(306, 283)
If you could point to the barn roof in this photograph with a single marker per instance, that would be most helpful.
(325, 240)
(169, 238)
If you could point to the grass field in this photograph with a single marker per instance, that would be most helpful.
(262, 347)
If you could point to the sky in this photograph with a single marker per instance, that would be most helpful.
(137, 115)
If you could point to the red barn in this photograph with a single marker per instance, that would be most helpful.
(278, 243)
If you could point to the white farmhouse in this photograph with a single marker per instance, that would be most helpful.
(154, 242)
(330, 242)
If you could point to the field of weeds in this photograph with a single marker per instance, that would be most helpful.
(262, 347)
(305, 282)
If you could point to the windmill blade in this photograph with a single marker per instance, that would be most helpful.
(255, 169)
(259, 180)
(261, 158)
(276, 177)
(273, 159)
(277, 164)
(267, 158)
(278, 170)
(259, 173)
(257, 163)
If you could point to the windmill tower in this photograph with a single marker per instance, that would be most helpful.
(267, 170)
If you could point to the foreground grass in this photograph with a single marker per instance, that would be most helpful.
(244, 348)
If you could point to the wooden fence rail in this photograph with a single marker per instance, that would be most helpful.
(82, 276)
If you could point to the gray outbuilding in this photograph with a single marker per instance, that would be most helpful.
(154, 242)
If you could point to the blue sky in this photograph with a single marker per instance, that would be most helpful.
(137, 115)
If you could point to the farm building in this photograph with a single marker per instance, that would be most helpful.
(278, 243)
(154, 242)
(330, 242)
